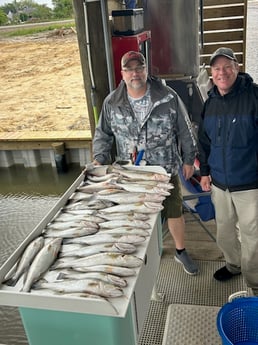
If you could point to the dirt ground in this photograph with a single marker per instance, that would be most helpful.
(42, 83)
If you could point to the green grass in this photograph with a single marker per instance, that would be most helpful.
(19, 31)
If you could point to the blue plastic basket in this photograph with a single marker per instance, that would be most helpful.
(237, 322)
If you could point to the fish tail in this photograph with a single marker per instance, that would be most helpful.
(25, 288)
(112, 306)
(37, 284)
(11, 282)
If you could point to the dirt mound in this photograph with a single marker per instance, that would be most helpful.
(42, 84)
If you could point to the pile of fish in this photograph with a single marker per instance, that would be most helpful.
(90, 246)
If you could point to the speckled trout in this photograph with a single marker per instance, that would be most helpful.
(143, 207)
(105, 277)
(82, 250)
(106, 238)
(116, 259)
(118, 271)
(42, 262)
(111, 224)
(24, 262)
(124, 197)
(87, 285)
(70, 233)
(139, 174)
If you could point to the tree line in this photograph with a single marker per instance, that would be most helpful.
(17, 12)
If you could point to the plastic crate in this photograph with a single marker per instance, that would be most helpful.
(237, 322)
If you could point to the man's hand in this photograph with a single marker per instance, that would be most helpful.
(205, 183)
(188, 171)
(96, 162)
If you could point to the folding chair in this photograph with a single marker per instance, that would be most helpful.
(197, 202)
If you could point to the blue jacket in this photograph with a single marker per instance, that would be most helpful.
(228, 136)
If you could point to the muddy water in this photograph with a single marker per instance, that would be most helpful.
(26, 195)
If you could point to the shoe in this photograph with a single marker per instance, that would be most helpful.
(224, 274)
(188, 265)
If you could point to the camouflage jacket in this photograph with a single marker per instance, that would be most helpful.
(165, 127)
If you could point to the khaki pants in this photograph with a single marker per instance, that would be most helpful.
(237, 231)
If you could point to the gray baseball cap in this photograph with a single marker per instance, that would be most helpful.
(223, 51)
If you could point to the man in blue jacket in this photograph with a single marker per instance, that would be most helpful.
(228, 149)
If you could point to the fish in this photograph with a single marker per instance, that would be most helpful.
(106, 238)
(79, 212)
(56, 225)
(149, 184)
(94, 286)
(142, 207)
(111, 224)
(128, 198)
(124, 216)
(125, 231)
(41, 263)
(69, 216)
(84, 295)
(139, 174)
(116, 270)
(70, 233)
(81, 251)
(95, 187)
(138, 188)
(96, 170)
(93, 205)
(140, 216)
(89, 296)
(116, 259)
(81, 205)
(105, 277)
(98, 204)
(106, 177)
(27, 257)
(77, 195)
(109, 191)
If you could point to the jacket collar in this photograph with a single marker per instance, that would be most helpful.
(242, 83)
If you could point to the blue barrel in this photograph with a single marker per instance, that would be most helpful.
(237, 322)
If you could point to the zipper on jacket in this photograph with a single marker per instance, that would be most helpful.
(224, 145)
(219, 129)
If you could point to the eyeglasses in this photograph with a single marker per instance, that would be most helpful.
(138, 69)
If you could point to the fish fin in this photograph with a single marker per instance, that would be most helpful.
(60, 276)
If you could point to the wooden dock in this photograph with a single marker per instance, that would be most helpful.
(35, 148)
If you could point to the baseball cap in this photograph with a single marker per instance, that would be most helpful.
(223, 51)
(132, 55)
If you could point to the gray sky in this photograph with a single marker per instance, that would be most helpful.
(41, 2)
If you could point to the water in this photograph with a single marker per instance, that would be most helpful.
(26, 195)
